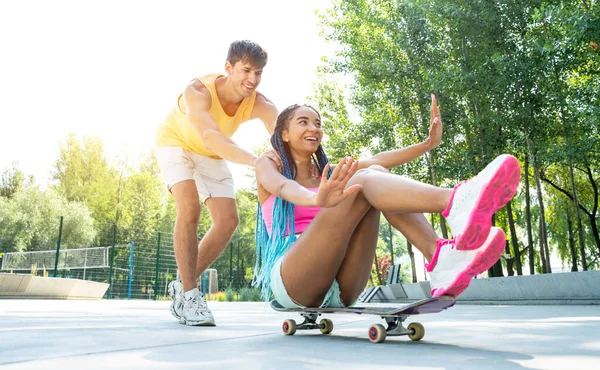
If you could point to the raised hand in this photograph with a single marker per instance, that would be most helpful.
(435, 127)
(332, 190)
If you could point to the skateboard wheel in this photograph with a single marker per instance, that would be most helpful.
(417, 331)
(377, 333)
(289, 327)
(326, 326)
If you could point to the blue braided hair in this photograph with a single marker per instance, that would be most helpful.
(270, 248)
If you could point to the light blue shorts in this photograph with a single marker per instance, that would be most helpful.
(332, 298)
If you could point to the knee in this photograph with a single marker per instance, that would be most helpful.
(378, 168)
(363, 175)
(227, 222)
(188, 211)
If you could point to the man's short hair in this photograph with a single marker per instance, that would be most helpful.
(247, 51)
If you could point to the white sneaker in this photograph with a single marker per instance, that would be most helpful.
(196, 312)
(473, 202)
(176, 293)
(451, 270)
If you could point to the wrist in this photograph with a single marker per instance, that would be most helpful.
(253, 160)
(428, 144)
(315, 201)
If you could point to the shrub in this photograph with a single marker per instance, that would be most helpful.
(250, 295)
(219, 296)
(230, 294)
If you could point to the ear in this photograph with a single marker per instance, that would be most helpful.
(284, 136)
(228, 67)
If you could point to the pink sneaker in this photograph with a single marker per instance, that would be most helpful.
(451, 270)
(473, 202)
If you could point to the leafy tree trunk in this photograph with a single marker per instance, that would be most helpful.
(542, 224)
(572, 248)
(564, 122)
(510, 260)
(591, 214)
(413, 267)
(578, 217)
(513, 237)
(496, 269)
(594, 212)
(528, 219)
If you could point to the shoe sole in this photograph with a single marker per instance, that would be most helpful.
(171, 291)
(493, 197)
(197, 323)
(483, 261)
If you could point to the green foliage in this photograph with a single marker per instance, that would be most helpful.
(11, 180)
(250, 295)
(517, 77)
(83, 174)
(30, 221)
(230, 295)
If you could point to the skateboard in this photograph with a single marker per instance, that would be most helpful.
(394, 317)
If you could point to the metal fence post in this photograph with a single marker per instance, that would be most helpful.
(230, 265)
(157, 266)
(58, 246)
(130, 271)
(112, 259)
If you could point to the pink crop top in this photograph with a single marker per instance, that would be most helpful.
(302, 215)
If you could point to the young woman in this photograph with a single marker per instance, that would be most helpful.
(316, 237)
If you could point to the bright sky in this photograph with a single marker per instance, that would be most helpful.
(114, 69)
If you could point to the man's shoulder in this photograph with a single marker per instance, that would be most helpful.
(261, 99)
(197, 85)
(263, 106)
(196, 91)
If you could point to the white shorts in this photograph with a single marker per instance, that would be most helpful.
(212, 176)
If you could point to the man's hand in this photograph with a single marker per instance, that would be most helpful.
(275, 157)
(331, 191)
(435, 128)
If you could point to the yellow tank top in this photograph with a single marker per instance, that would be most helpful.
(176, 130)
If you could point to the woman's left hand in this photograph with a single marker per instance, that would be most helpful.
(435, 127)
(332, 190)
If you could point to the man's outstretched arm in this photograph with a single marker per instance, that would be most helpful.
(197, 102)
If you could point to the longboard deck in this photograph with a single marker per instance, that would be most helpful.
(427, 305)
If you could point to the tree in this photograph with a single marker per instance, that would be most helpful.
(82, 174)
(12, 180)
(31, 221)
(517, 77)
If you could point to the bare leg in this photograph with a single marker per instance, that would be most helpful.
(418, 231)
(313, 261)
(358, 262)
(223, 212)
(185, 236)
(355, 270)
(397, 194)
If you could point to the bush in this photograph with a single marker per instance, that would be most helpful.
(219, 296)
(230, 294)
(250, 295)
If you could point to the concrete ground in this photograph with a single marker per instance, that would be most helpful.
(53, 334)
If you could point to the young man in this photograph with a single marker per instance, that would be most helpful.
(192, 145)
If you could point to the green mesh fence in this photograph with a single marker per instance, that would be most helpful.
(141, 269)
